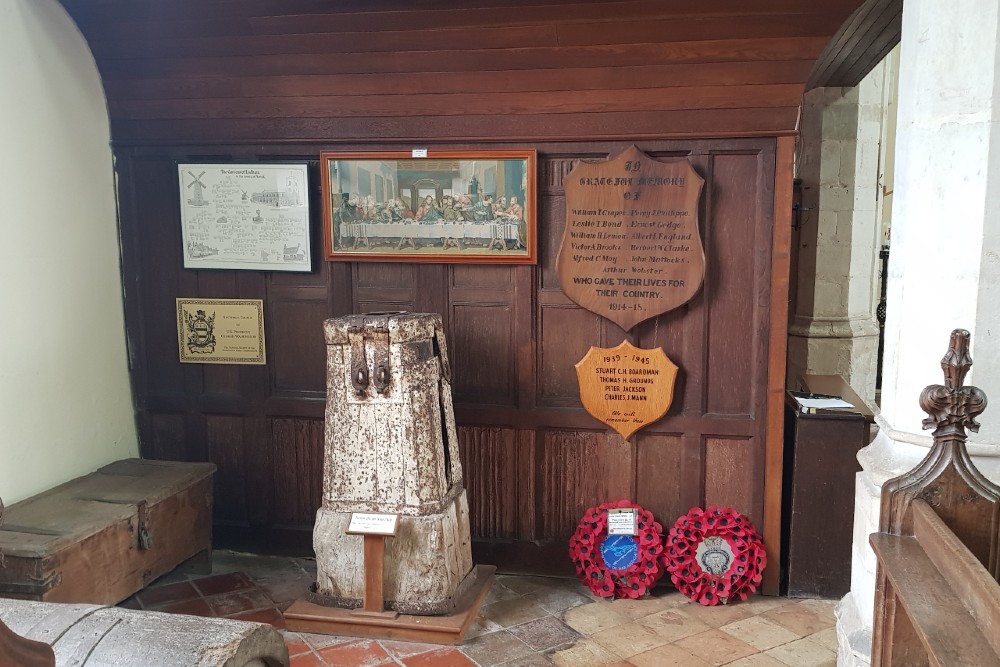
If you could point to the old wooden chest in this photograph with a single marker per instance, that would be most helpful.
(102, 537)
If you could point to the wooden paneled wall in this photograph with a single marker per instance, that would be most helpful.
(534, 458)
(225, 71)
(718, 82)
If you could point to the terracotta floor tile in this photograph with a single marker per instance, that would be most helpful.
(584, 653)
(224, 560)
(159, 596)
(238, 602)
(555, 600)
(360, 653)
(481, 626)
(442, 657)
(758, 604)
(646, 606)
(821, 607)
(800, 620)
(318, 641)
(760, 633)
(495, 648)
(533, 660)
(284, 593)
(513, 612)
(270, 616)
(523, 584)
(223, 583)
(594, 617)
(716, 647)
(673, 624)
(527, 622)
(718, 615)
(197, 607)
(668, 655)
(499, 592)
(826, 638)
(804, 653)
(544, 633)
(296, 645)
(757, 660)
(400, 650)
(307, 660)
(628, 639)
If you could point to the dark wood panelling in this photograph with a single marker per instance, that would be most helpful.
(226, 451)
(534, 459)
(491, 458)
(577, 470)
(734, 286)
(733, 476)
(638, 68)
(483, 336)
(559, 352)
(244, 80)
(392, 83)
(659, 467)
(298, 470)
(295, 337)
(860, 44)
(435, 130)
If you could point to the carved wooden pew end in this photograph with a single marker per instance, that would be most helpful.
(937, 600)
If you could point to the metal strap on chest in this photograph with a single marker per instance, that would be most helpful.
(376, 328)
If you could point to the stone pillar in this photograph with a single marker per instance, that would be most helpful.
(944, 269)
(834, 329)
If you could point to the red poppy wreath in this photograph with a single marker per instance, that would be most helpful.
(714, 555)
(618, 565)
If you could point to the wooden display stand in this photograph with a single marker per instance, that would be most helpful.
(373, 619)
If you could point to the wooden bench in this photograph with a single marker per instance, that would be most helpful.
(937, 600)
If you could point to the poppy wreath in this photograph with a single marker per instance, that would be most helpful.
(636, 579)
(714, 555)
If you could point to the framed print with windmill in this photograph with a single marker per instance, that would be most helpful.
(251, 216)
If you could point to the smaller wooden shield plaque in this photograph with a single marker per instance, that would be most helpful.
(626, 387)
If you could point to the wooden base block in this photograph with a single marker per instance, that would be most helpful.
(305, 616)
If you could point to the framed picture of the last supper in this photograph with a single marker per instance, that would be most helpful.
(430, 206)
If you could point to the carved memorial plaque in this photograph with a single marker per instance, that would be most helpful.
(631, 249)
(626, 387)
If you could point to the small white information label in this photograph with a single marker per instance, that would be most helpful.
(419, 152)
(365, 523)
(622, 521)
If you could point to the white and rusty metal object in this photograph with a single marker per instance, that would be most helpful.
(392, 447)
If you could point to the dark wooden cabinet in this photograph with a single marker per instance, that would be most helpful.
(818, 500)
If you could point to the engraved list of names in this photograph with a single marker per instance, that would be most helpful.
(631, 248)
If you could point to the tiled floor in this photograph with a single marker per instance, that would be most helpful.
(525, 622)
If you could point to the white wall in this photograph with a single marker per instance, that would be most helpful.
(65, 404)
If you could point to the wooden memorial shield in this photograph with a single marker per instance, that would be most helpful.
(631, 248)
(626, 387)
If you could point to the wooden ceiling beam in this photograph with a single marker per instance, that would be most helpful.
(860, 44)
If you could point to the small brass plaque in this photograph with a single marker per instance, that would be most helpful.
(220, 331)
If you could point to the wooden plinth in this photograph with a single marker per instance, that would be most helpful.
(305, 616)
